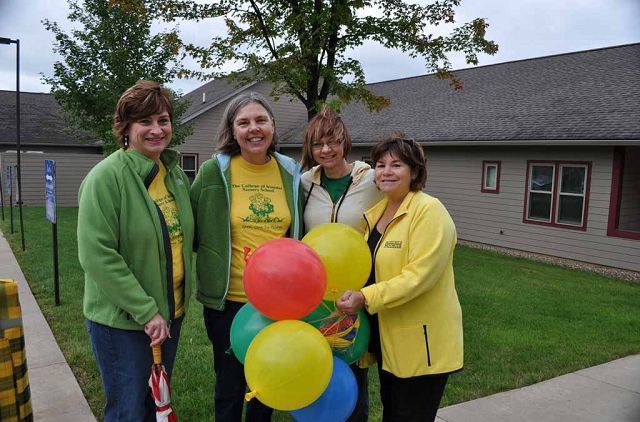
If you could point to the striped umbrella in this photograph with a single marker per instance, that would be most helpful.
(160, 389)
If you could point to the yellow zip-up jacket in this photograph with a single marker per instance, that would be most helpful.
(414, 294)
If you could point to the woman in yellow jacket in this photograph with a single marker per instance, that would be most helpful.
(411, 298)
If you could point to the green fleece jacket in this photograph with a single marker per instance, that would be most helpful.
(210, 200)
(123, 241)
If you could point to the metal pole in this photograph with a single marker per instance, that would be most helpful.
(18, 140)
(1, 193)
(11, 198)
(56, 280)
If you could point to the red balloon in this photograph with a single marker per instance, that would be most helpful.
(284, 279)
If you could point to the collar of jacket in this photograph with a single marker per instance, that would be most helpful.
(359, 169)
(224, 160)
(145, 167)
(374, 213)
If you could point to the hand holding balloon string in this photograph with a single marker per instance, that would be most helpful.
(350, 302)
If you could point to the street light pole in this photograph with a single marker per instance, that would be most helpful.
(17, 43)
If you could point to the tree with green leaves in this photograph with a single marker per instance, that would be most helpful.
(302, 46)
(112, 48)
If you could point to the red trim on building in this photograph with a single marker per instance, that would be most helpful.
(554, 195)
(484, 189)
(616, 197)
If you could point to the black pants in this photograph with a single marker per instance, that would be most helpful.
(361, 411)
(414, 399)
(230, 382)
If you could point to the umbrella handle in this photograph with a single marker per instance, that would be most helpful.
(157, 355)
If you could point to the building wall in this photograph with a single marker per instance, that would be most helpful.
(455, 175)
(70, 171)
(288, 114)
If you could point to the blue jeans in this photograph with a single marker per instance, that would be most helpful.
(230, 382)
(124, 358)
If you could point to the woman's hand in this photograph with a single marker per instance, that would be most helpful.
(350, 302)
(157, 329)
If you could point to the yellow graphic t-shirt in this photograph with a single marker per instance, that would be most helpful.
(167, 204)
(259, 212)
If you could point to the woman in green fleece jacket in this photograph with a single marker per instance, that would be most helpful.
(135, 233)
(247, 194)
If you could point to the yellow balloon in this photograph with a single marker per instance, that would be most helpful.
(288, 365)
(345, 255)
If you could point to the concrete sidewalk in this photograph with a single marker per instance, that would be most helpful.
(55, 393)
(608, 392)
(605, 393)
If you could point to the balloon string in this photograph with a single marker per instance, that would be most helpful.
(337, 340)
(247, 252)
(250, 395)
(332, 313)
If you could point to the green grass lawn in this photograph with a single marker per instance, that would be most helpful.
(524, 321)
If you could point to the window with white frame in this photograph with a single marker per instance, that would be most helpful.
(571, 194)
(491, 176)
(557, 194)
(189, 164)
(540, 197)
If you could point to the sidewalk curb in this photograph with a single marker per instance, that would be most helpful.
(55, 393)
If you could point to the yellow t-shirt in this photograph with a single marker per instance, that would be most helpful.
(259, 212)
(167, 204)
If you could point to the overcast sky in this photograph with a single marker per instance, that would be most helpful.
(522, 28)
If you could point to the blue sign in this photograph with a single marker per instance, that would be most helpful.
(50, 189)
(7, 180)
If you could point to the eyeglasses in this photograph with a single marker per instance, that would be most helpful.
(331, 144)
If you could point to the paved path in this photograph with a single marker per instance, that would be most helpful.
(603, 393)
(55, 393)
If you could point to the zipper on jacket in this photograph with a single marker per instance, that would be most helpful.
(375, 251)
(152, 175)
(306, 201)
(226, 192)
(184, 257)
(334, 210)
(169, 268)
(166, 243)
(426, 342)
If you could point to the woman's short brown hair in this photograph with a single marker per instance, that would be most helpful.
(406, 150)
(225, 141)
(141, 100)
(326, 124)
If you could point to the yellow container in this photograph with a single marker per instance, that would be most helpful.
(15, 396)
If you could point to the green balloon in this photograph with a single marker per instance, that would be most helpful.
(247, 323)
(320, 314)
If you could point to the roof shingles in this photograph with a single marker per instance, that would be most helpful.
(41, 122)
(588, 95)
